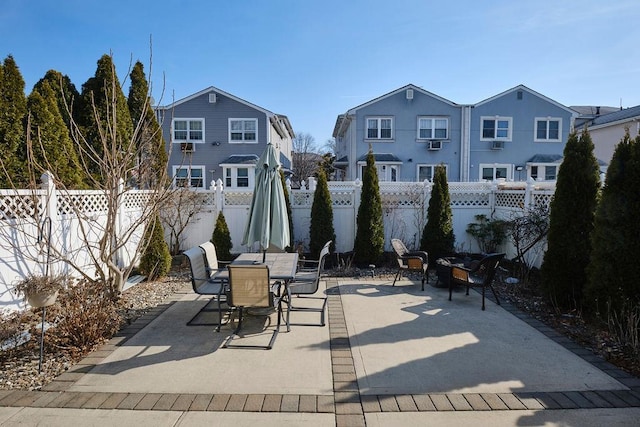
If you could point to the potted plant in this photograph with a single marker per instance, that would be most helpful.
(40, 291)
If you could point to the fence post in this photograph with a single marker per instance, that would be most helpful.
(218, 196)
(357, 196)
(528, 199)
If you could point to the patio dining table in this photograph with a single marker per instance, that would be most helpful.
(282, 268)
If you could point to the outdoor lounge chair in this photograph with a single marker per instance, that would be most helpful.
(410, 261)
(481, 274)
(250, 287)
(203, 284)
(307, 282)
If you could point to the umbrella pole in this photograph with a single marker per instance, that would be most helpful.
(264, 255)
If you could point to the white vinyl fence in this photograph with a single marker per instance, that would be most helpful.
(31, 218)
(404, 207)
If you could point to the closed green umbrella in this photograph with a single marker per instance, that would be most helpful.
(268, 220)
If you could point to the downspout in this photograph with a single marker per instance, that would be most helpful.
(465, 142)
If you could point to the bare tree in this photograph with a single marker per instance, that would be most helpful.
(306, 159)
(180, 207)
(110, 239)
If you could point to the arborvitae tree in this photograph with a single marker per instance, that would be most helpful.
(571, 221)
(287, 200)
(321, 229)
(156, 259)
(50, 147)
(369, 242)
(154, 157)
(613, 272)
(13, 112)
(99, 94)
(66, 94)
(221, 238)
(437, 237)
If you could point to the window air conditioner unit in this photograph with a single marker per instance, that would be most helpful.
(213, 98)
(187, 147)
(497, 145)
(409, 93)
(435, 145)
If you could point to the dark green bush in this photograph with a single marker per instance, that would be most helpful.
(369, 243)
(571, 220)
(321, 228)
(437, 237)
(221, 238)
(156, 259)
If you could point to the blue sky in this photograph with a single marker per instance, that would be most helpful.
(312, 60)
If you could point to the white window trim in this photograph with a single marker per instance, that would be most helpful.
(494, 166)
(386, 166)
(234, 175)
(540, 166)
(547, 119)
(433, 169)
(379, 119)
(495, 119)
(433, 128)
(188, 177)
(231, 119)
(183, 119)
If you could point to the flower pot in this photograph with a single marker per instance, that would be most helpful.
(41, 299)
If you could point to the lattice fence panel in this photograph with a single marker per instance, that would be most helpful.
(301, 198)
(342, 198)
(239, 198)
(137, 199)
(19, 206)
(464, 199)
(78, 202)
(510, 199)
(542, 199)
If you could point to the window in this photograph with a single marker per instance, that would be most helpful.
(548, 171)
(386, 172)
(433, 128)
(495, 171)
(243, 131)
(191, 130)
(379, 128)
(496, 128)
(236, 177)
(548, 129)
(192, 177)
(428, 171)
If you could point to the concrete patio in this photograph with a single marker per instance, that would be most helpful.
(389, 356)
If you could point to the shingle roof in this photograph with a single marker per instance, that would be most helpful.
(239, 159)
(381, 157)
(545, 158)
(627, 113)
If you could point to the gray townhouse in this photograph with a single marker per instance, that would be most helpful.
(215, 135)
(516, 135)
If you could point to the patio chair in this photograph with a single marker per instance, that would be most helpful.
(203, 284)
(250, 287)
(307, 281)
(212, 263)
(480, 275)
(417, 261)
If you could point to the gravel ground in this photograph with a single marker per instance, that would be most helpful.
(20, 365)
